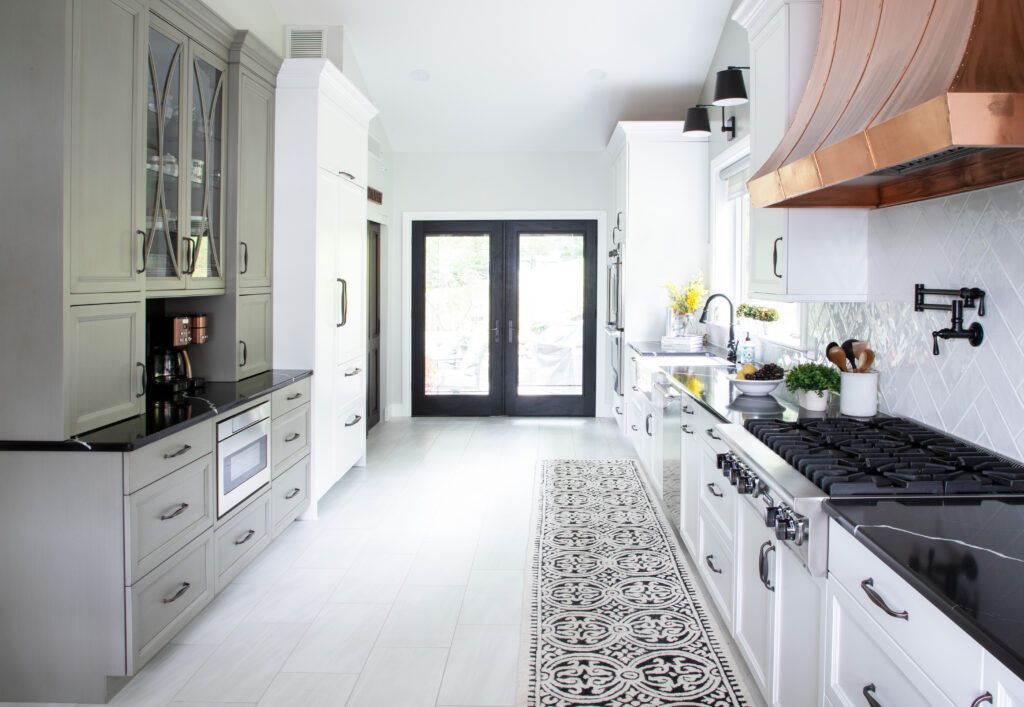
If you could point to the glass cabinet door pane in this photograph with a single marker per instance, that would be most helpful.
(205, 170)
(163, 155)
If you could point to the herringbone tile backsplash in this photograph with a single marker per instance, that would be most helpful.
(970, 240)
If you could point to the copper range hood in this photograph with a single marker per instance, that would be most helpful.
(906, 100)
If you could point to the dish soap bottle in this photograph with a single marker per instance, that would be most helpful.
(747, 351)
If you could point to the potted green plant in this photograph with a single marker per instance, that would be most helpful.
(812, 382)
(765, 315)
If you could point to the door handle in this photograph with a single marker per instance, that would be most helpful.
(344, 302)
(292, 437)
(686, 429)
(294, 396)
(869, 695)
(347, 175)
(176, 512)
(142, 252)
(184, 448)
(353, 372)
(714, 490)
(762, 564)
(868, 585)
(177, 595)
(292, 494)
(497, 331)
(245, 538)
(711, 565)
(711, 433)
(687, 409)
(245, 257)
(511, 331)
(145, 379)
(189, 265)
(245, 354)
(983, 699)
(775, 258)
(355, 421)
(647, 425)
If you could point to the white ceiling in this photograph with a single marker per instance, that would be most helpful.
(511, 75)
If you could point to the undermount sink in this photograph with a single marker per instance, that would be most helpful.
(697, 359)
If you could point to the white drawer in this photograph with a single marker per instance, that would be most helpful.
(718, 496)
(350, 435)
(160, 458)
(287, 399)
(166, 515)
(350, 381)
(289, 495)
(241, 539)
(957, 667)
(166, 599)
(863, 661)
(716, 565)
(290, 438)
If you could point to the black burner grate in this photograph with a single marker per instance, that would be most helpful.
(886, 457)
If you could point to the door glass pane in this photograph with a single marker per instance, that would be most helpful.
(456, 319)
(205, 174)
(163, 154)
(550, 335)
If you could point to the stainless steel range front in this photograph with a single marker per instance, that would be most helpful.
(243, 456)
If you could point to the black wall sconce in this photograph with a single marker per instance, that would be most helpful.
(730, 90)
(963, 298)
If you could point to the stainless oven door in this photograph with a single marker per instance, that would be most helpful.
(243, 465)
(614, 287)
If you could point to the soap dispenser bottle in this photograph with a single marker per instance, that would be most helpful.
(747, 351)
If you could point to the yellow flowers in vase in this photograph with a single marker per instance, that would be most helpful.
(683, 304)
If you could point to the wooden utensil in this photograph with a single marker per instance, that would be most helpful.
(834, 353)
(865, 361)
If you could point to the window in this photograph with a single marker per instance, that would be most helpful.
(729, 236)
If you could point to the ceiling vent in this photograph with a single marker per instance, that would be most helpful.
(305, 42)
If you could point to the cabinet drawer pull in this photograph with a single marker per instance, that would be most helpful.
(292, 494)
(347, 175)
(245, 354)
(179, 452)
(353, 372)
(982, 700)
(686, 429)
(711, 433)
(711, 565)
(142, 252)
(687, 409)
(775, 258)
(762, 564)
(344, 302)
(177, 595)
(245, 538)
(634, 428)
(618, 411)
(355, 421)
(714, 490)
(292, 437)
(294, 396)
(145, 379)
(647, 425)
(245, 257)
(869, 695)
(868, 586)
(176, 512)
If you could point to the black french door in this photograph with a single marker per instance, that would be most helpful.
(504, 317)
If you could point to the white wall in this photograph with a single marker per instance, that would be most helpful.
(483, 185)
(257, 16)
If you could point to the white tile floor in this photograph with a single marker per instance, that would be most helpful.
(407, 591)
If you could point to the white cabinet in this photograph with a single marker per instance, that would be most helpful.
(1004, 687)
(689, 492)
(755, 594)
(794, 254)
(319, 252)
(660, 188)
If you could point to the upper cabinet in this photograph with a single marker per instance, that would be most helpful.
(794, 254)
(184, 164)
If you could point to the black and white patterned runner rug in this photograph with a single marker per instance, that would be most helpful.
(615, 619)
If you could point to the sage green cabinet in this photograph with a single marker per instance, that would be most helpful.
(106, 200)
(253, 209)
(254, 334)
(105, 364)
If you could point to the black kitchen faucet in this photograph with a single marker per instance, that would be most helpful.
(732, 324)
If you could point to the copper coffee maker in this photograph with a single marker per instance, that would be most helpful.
(170, 368)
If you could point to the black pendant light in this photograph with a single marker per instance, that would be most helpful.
(729, 87)
(697, 122)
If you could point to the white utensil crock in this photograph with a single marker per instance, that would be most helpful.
(810, 400)
(858, 394)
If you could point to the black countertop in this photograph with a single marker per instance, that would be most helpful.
(124, 436)
(966, 556)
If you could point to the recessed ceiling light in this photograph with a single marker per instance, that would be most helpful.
(419, 75)
(597, 74)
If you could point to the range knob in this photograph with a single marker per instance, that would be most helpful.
(785, 525)
(723, 459)
(746, 483)
(771, 513)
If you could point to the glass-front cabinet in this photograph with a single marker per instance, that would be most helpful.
(185, 127)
